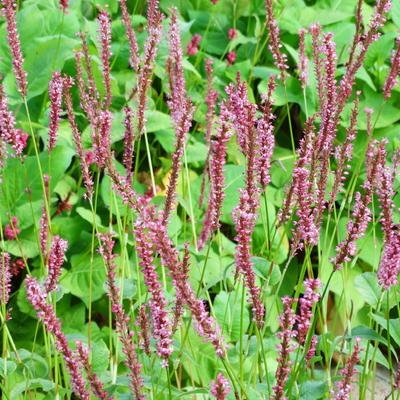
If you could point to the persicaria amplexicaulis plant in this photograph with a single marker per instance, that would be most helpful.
(206, 201)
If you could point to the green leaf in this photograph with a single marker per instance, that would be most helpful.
(78, 281)
(88, 216)
(394, 326)
(367, 286)
(228, 311)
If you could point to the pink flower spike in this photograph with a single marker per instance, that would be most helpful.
(280, 59)
(394, 72)
(11, 230)
(303, 60)
(193, 46)
(231, 57)
(15, 46)
(220, 388)
(232, 33)
(47, 315)
(133, 46)
(56, 260)
(95, 383)
(105, 41)
(55, 96)
(5, 278)
(64, 5)
(348, 373)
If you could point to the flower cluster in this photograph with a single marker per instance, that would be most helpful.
(55, 96)
(220, 388)
(193, 46)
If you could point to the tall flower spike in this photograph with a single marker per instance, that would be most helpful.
(15, 46)
(8, 132)
(95, 383)
(56, 260)
(5, 278)
(361, 215)
(158, 304)
(358, 33)
(220, 388)
(124, 332)
(394, 72)
(211, 100)
(129, 140)
(389, 267)
(217, 163)
(303, 60)
(287, 320)
(181, 109)
(266, 137)
(154, 19)
(143, 323)
(205, 325)
(87, 178)
(304, 159)
(102, 138)
(315, 31)
(280, 59)
(343, 154)
(47, 315)
(378, 19)
(348, 373)
(55, 96)
(105, 41)
(311, 297)
(130, 33)
(44, 221)
(242, 113)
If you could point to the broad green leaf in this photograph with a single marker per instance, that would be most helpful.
(231, 314)
(367, 286)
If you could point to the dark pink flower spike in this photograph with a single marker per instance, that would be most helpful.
(231, 57)
(11, 230)
(129, 140)
(193, 46)
(87, 178)
(217, 163)
(146, 70)
(82, 354)
(158, 304)
(232, 33)
(211, 100)
(286, 333)
(124, 332)
(56, 260)
(348, 373)
(64, 5)
(15, 46)
(5, 278)
(204, 324)
(280, 59)
(266, 137)
(394, 72)
(220, 388)
(181, 109)
(133, 46)
(104, 22)
(389, 267)
(361, 215)
(303, 60)
(55, 96)
(311, 297)
(47, 315)
(8, 132)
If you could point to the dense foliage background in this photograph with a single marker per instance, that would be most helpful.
(234, 34)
